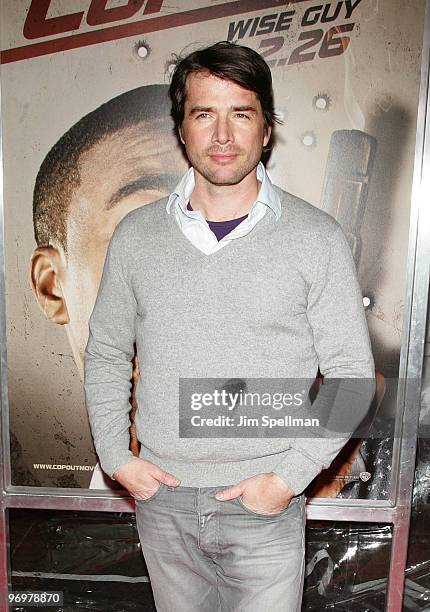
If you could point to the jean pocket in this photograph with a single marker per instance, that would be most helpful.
(265, 515)
(154, 495)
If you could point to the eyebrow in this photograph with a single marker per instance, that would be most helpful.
(162, 182)
(210, 109)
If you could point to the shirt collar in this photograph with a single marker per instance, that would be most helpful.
(267, 194)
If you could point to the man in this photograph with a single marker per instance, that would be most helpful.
(118, 157)
(228, 278)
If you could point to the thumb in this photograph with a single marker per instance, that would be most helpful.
(230, 493)
(167, 478)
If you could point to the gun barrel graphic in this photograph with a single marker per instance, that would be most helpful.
(346, 183)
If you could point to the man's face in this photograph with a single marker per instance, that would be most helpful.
(117, 175)
(223, 129)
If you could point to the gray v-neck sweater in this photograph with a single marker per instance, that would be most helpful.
(277, 303)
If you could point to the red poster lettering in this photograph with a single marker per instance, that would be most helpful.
(299, 55)
(333, 44)
(154, 6)
(37, 25)
(99, 14)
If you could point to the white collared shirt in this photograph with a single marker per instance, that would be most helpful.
(194, 225)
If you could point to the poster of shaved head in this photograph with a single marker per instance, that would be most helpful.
(88, 137)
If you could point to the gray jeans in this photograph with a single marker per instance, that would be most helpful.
(205, 555)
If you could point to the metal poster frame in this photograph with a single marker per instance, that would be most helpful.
(396, 509)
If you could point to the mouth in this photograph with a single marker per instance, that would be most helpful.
(223, 158)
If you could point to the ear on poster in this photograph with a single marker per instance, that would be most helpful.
(46, 271)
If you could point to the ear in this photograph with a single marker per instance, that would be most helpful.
(267, 134)
(46, 269)
(180, 135)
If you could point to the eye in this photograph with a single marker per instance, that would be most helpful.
(202, 116)
(242, 116)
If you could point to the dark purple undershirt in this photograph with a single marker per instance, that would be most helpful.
(221, 228)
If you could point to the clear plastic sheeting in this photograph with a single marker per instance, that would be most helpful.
(417, 584)
(94, 558)
(346, 566)
(80, 596)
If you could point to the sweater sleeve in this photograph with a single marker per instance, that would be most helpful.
(336, 315)
(108, 359)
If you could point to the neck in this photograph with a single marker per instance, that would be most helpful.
(224, 202)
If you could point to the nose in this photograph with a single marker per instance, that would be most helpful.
(223, 133)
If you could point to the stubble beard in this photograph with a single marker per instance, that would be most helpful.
(224, 175)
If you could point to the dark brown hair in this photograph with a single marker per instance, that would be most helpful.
(229, 61)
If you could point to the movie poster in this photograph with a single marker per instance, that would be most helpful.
(87, 137)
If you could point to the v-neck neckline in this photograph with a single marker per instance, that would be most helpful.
(264, 225)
